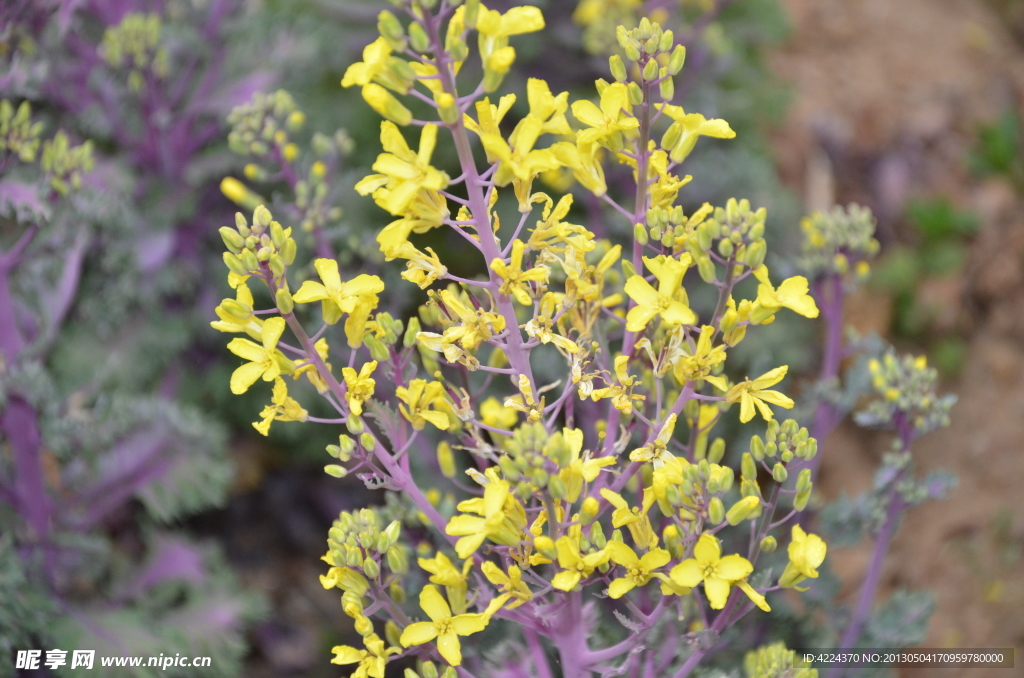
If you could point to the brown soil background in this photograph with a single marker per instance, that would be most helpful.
(888, 96)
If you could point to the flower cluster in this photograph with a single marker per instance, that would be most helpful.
(590, 478)
(839, 241)
(906, 387)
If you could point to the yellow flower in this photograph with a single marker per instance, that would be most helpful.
(703, 358)
(791, 294)
(755, 393)
(499, 517)
(669, 300)
(375, 67)
(282, 409)
(310, 370)
(608, 122)
(575, 566)
(442, 626)
(493, 413)
(420, 395)
(236, 315)
(585, 160)
(620, 392)
(490, 117)
(526, 402)
(514, 279)
(421, 268)
(265, 361)
(657, 451)
(371, 661)
(579, 470)
(682, 135)
(541, 325)
(638, 570)
(360, 386)
(357, 298)
(511, 584)
(708, 566)
(635, 519)
(476, 325)
(806, 554)
(407, 173)
(551, 234)
(492, 24)
(455, 581)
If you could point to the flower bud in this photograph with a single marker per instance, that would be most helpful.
(398, 562)
(545, 547)
(640, 234)
(650, 71)
(391, 30)
(418, 38)
(471, 13)
(446, 108)
(288, 251)
(632, 50)
(232, 239)
(411, 331)
(386, 105)
(636, 95)
(666, 42)
(428, 670)
(803, 481)
(363, 626)
(367, 441)
(769, 544)
(235, 264)
(716, 451)
(748, 469)
(378, 350)
(240, 222)
(249, 261)
(757, 447)
(371, 568)
(667, 87)
(597, 537)
(743, 509)
(628, 270)
(285, 303)
(801, 499)
(716, 511)
(588, 510)
(618, 68)
(446, 460)
(392, 633)
(557, 488)
(707, 269)
(676, 61)
(261, 216)
(335, 470)
(779, 472)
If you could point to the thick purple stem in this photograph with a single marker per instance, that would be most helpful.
(829, 293)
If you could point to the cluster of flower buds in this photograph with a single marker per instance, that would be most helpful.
(135, 44)
(18, 134)
(64, 164)
(907, 389)
(739, 232)
(262, 125)
(263, 248)
(656, 55)
(357, 540)
(775, 661)
(783, 444)
(838, 241)
(383, 333)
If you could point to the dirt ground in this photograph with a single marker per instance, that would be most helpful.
(888, 98)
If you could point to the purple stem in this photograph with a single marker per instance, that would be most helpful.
(538, 658)
(829, 293)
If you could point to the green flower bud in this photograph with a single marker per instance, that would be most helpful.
(410, 332)
(747, 467)
(757, 447)
(276, 234)
(676, 61)
(382, 544)
(249, 261)
(392, 633)
(367, 441)
(628, 271)
(241, 223)
(755, 253)
(667, 40)
(801, 499)
(787, 456)
(640, 234)
(725, 247)
(618, 68)
(346, 445)
(235, 264)
(371, 568)
(364, 627)
(769, 544)
(277, 266)
(636, 95)
(707, 270)
(378, 350)
(650, 71)
(264, 253)
(391, 30)
(418, 38)
(597, 537)
(261, 216)
(771, 450)
(398, 562)
(667, 87)
(803, 481)
(335, 470)
(779, 472)
(557, 488)
(656, 232)
(716, 511)
(632, 50)
(726, 480)
(716, 451)
(285, 304)
(232, 239)
(673, 495)
(743, 509)
(472, 11)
